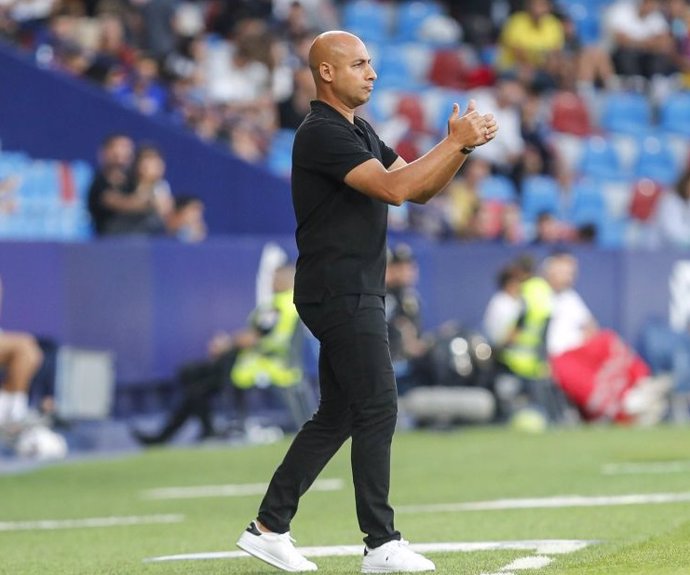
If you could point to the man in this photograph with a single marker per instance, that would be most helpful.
(343, 178)
(408, 347)
(602, 375)
(112, 181)
(260, 355)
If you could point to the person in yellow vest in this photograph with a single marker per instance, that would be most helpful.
(264, 353)
(521, 343)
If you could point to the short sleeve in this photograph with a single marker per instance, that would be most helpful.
(330, 149)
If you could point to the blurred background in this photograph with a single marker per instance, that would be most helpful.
(145, 210)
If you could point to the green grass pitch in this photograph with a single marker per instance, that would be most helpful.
(465, 465)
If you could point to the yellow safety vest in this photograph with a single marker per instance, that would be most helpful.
(269, 362)
(525, 356)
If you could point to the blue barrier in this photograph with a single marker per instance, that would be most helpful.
(156, 303)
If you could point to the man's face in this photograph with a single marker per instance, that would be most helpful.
(352, 74)
(119, 153)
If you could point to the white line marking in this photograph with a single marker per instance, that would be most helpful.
(238, 490)
(559, 502)
(644, 468)
(49, 524)
(536, 562)
(553, 546)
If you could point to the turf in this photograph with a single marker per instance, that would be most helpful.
(428, 468)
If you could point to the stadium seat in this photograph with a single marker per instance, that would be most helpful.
(569, 114)
(626, 113)
(587, 204)
(599, 160)
(367, 19)
(410, 108)
(674, 114)
(585, 16)
(393, 71)
(540, 194)
(612, 232)
(644, 199)
(410, 17)
(497, 188)
(656, 161)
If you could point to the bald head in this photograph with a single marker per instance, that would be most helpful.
(330, 46)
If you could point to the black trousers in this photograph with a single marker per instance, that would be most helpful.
(358, 400)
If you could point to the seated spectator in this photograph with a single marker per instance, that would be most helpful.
(584, 66)
(461, 199)
(137, 203)
(505, 102)
(640, 40)
(531, 42)
(599, 373)
(186, 221)
(678, 16)
(673, 215)
(260, 355)
(549, 229)
(292, 111)
(20, 360)
(142, 89)
(111, 181)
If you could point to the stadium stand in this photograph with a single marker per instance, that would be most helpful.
(424, 61)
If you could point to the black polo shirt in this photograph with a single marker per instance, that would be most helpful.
(341, 233)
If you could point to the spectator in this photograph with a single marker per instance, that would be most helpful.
(121, 202)
(292, 111)
(186, 221)
(233, 73)
(640, 40)
(678, 16)
(20, 360)
(598, 372)
(584, 66)
(549, 229)
(112, 181)
(461, 199)
(505, 100)
(142, 89)
(531, 42)
(261, 354)
(112, 50)
(673, 214)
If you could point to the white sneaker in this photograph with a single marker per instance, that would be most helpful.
(395, 557)
(276, 549)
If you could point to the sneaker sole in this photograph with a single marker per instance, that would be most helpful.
(247, 545)
(384, 570)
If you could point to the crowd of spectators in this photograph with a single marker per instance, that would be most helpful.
(557, 75)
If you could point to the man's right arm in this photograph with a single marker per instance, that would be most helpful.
(422, 179)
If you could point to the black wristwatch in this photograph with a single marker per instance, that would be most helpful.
(467, 150)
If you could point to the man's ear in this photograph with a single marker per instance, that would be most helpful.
(326, 72)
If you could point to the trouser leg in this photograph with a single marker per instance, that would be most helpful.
(313, 447)
(358, 396)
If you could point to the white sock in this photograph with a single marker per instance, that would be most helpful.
(19, 406)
